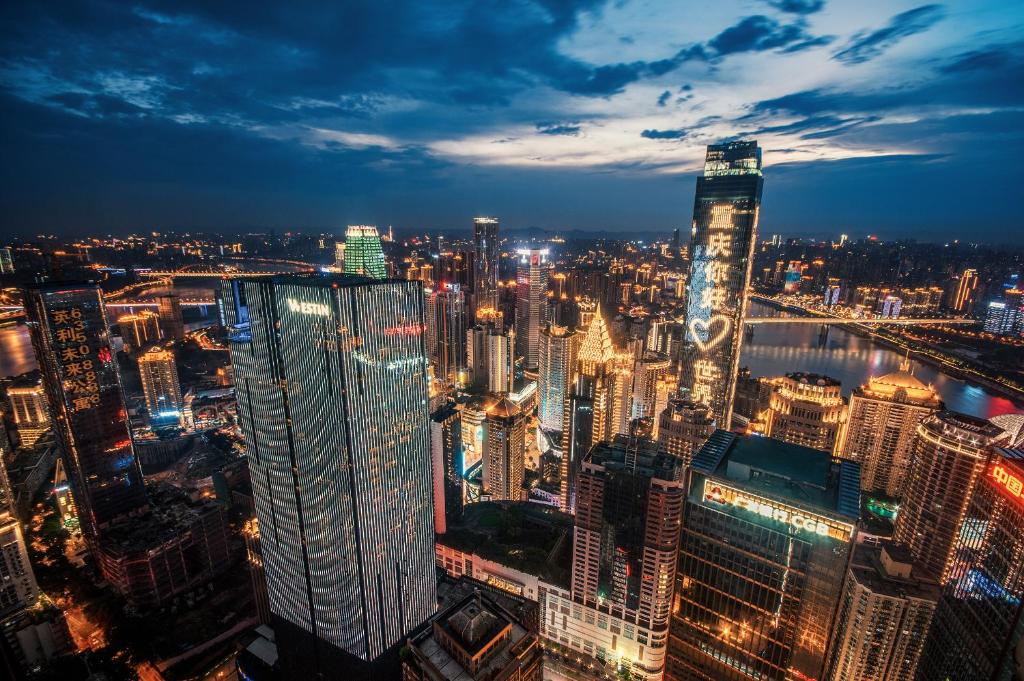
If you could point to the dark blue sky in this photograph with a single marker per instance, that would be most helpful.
(895, 118)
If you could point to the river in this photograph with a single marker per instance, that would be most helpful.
(774, 350)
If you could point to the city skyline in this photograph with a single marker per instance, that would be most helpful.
(587, 115)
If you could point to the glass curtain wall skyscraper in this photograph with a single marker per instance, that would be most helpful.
(331, 377)
(725, 215)
(485, 263)
(363, 252)
(531, 302)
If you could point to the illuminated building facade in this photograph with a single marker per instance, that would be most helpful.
(448, 463)
(363, 252)
(172, 325)
(28, 406)
(159, 374)
(505, 433)
(806, 409)
(949, 455)
(767, 537)
(559, 348)
(966, 290)
(446, 333)
(531, 302)
(650, 373)
(684, 426)
(486, 261)
(500, 355)
(589, 415)
(332, 397)
(979, 623)
(18, 588)
(725, 215)
(139, 329)
(884, 616)
(884, 416)
(72, 345)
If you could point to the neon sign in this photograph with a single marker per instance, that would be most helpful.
(412, 329)
(304, 307)
(796, 518)
(1007, 481)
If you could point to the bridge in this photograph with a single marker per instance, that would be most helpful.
(900, 321)
(202, 274)
(152, 303)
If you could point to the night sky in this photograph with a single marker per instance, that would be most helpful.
(895, 118)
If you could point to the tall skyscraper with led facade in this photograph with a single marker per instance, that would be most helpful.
(531, 302)
(485, 263)
(725, 214)
(767, 537)
(68, 324)
(559, 347)
(331, 378)
(159, 374)
(363, 252)
(28, 405)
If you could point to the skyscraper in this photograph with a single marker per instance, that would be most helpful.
(503, 454)
(967, 287)
(18, 588)
(531, 302)
(500, 360)
(172, 325)
(684, 426)
(558, 351)
(949, 455)
(588, 419)
(28, 405)
(806, 409)
(159, 374)
(768, 532)
(363, 253)
(138, 330)
(979, 623)
(69, 333)
(446, 333)
(486, 262)
(884, 416)
(332, 394)
(446, 455)
(725, 215)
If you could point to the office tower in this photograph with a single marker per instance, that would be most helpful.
(6, 261)
(332, 399)
(628, 514)
(806, 409)
(884, 616)
(446, 333)
(725, 213)
(172, 325)
(1000, 318)
(339, 255)
(588, 419)
(69, 333)
(684, 426)
(558, 352)
(138, 330)
(28, 406)
(159, 374)
(979, 623)
(363, 253)
(18, 588)
(500, 360)
(650, 371)
(675, 242)
(531, 301)
(505, 427)
(474, 639)
(768, 532)
(884, 416)
(623, 375)
(949, 454)
(448, 464)
(486, 254)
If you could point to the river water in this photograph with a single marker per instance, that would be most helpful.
(773, 350)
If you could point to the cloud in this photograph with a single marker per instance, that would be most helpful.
(568, 129)
(759, 33)
(664, 97)
(865, 46)
(797, 6)
(663, 134)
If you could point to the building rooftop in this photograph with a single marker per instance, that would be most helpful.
(639, 455)
(869, 570)
(782, 470)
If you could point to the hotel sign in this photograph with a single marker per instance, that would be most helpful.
(796, 518)
(305, 307)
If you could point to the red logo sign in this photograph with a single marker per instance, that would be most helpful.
(1008, 481)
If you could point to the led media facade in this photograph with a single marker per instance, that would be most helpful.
(725, 214)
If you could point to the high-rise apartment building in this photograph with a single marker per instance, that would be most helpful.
(949, 454)
(363, 252)
(684, 426)
(486, 261)
(72, 345)
(531, 302)
(332, 397)
(159, 373)
(18, 588)
(500, 360)
(140, 329)
(1000, 318)
(884, 416)
(806, 409)
(558, 351)
(767, 537)
(650, 372)
(446, 455)
(884, 616)
(172, 324)
(588, 419)
(978, 632)
(504, 449)
(446, 333)
(28, 406)
(725, 214)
